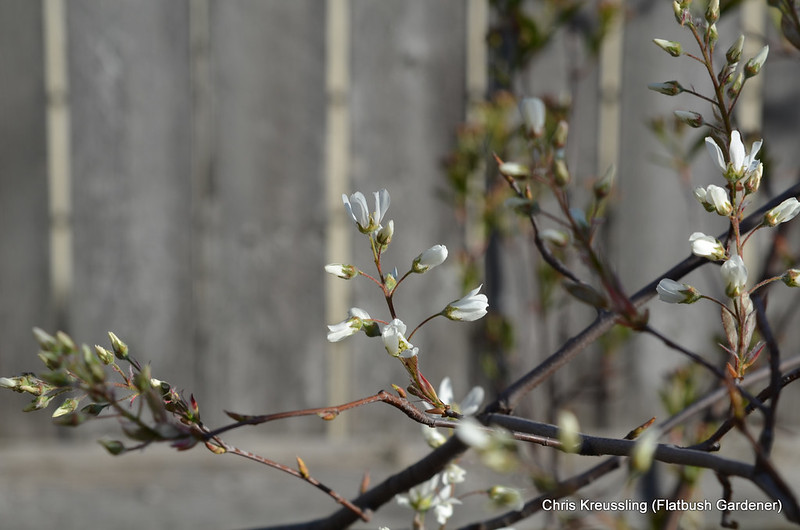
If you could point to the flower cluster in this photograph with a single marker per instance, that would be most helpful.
(743, 172)
(394, 332)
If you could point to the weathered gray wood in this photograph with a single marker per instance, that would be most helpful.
(407, 98)
(130, 103)
(24, 219)
(260, 314)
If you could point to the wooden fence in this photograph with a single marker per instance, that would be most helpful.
(171, 171)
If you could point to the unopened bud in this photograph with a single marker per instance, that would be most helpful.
(560, 134)
(119, 347)
(603, 185)
(643, 451)
(533, 113)
(791, 277)
(671, 47)
(668, 88)
(726, 73)
(560, 173)
(734, 53)
(712, 35)
(568, 432)
(115, 447)
(105, 356)
(385, 234)
(736, 86)
(712, 12)
(45, 340)
(341, 270)
(753, 66)
(512, 169)
(690, 118)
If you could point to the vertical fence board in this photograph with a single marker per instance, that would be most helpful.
(408, 97)
(24, 220)
(261, 316)
(131, 151)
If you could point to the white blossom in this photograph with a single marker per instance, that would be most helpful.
(351, 326)
(429, 259)
(714, 198)
(785, 211)
(394, 340)
(735, 275)
(741, 164)
(706, 246)
(356, 206)
(470, 307)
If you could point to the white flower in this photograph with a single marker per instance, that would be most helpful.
(429, 259)
(674, 292)
(533, 114)
(453, 474)
(394, 340)
(735, 275)
(351, 326)
(341, 270)
(420, 498)
(468, 406)
(356, 206)
(443, 505)
(706, 246)
(714, 198)
(432, 436)
(470, 307)
(473, 434)
(785, 211)
(741, 164)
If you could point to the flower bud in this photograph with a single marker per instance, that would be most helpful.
(673, 292)
(505, 497)
(735, 275)
(671, 47)
(560, 173)
(341, 270)
(753, 66)
(512, 169)
(668, 88)
(712, 11)
(119, 347)
(6, 382)
(560, 134)
(754, 180)
(643, 451)
(557, 238)
(790, 278)
(785, 211)
(602, 187)
(712, 35)
(692, 119)
(429, 259)
(736, 86)
(568, 432)
(533, 113)
(726, 73)
(384, 236)
(734, 53)
(105, 356)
